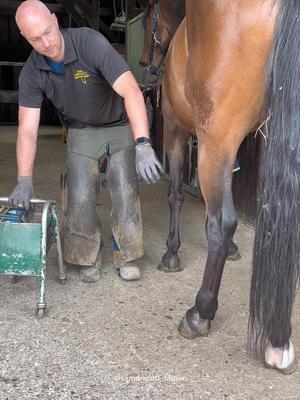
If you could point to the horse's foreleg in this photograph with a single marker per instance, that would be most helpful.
(176, 144)
(215, 172)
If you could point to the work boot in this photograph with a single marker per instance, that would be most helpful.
(130, 272)
(127, 271)
(91, 274)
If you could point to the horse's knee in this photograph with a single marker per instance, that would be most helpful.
(175, 196)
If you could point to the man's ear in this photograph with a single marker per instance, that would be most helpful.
(54, 17)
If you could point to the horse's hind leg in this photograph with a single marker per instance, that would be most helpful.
(175, 140)
(215, 163)
(281, 358)
(233, 252)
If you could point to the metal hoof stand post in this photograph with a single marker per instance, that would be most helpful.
(25, 240)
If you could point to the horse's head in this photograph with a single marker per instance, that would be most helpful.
(161, 20)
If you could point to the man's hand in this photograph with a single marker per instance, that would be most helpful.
(22, 193)
(147, 165)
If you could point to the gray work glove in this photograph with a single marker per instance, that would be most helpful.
(22, 193)
(147, 165)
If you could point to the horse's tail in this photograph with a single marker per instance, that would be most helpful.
(276, 254)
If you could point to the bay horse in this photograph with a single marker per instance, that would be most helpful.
(233, 66)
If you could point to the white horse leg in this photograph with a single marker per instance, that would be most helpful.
(281, 358)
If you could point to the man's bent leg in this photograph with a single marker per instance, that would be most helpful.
(82, 225)
(126, 219)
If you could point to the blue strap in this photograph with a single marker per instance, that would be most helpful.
(57, 67)
(101, 246)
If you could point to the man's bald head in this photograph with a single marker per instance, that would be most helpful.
(40, 28)
(30, 11)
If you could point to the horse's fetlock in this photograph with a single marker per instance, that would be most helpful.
(207, 304)
(229, 225)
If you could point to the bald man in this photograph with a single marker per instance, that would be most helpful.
(100, 102)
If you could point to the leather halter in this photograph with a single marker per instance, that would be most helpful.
(150, 68)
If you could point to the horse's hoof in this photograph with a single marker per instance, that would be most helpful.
(170, 263)
(234, 257)
(166, 268)
(193, 326)
(233, 252)
(282, 359)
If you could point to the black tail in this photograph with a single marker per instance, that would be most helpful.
(276, 255)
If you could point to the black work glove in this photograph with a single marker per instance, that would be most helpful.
(147, 165)
(22, 193)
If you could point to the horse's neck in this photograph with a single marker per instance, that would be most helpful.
(177, 12)
(181, 10)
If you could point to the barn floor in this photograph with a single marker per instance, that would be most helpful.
(119, 340)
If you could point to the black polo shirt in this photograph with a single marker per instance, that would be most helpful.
(83, 92)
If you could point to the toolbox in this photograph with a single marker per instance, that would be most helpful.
(26, 237)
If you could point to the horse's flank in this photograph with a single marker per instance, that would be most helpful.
(219, 63)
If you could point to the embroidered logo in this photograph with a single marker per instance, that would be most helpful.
(82, 75)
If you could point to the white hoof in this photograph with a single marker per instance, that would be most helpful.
(281, 358)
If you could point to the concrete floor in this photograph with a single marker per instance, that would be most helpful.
(119, 340)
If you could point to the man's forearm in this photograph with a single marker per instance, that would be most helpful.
(137, 114)
(26, 150)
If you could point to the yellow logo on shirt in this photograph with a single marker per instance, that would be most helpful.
(82, 75)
